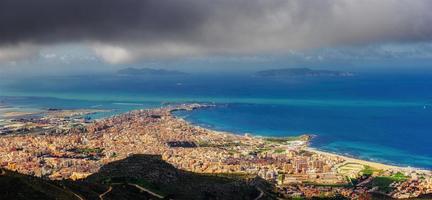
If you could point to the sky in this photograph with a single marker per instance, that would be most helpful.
(95, 36)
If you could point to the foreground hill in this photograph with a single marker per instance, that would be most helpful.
(136, 177)
(18, 186)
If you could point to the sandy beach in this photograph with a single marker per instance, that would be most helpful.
(359, 161)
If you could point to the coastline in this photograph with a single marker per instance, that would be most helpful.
(78, 149)
(408, 155)
(378, 165)
(373, 164)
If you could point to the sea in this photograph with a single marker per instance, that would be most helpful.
(379, 117)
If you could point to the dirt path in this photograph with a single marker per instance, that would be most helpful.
(106, 192)
(146, 190)
(260, 195)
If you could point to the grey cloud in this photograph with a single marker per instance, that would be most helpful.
(48, 21)
(128, 30)
(19, 51)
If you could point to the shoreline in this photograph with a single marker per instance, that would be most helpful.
(348, 159)
(375, 164)
(379, 165)
(286, 164)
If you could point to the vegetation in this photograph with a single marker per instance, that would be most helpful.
(327, 185)
(259, 150)
(384, 182)
(399, 177)
(113, 155)
(279, 151)
(368, 171)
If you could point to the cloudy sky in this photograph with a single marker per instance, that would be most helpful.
(92, 35)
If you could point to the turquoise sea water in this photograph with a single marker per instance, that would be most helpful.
(386, 118)
(391, 134)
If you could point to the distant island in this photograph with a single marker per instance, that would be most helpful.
(301, 72)
(149, 71)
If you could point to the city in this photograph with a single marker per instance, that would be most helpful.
(287, 163)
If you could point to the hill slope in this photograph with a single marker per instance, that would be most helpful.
(136, 177)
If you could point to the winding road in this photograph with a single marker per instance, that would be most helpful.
(78, 196)
(260, 195)
(131, 184)
(64, 188)
(146, 190)
(106, 192)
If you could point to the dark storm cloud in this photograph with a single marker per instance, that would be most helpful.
(48, 21)
(127, 30)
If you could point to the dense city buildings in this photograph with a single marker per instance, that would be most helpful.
(79, 148)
